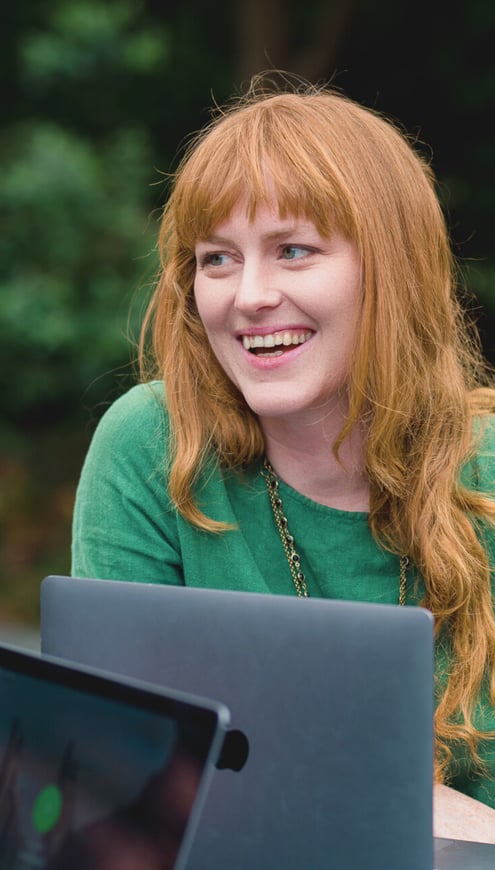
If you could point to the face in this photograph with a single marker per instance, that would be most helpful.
(280, 305)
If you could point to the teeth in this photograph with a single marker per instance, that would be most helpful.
(275, 339)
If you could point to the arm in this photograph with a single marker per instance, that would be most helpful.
(459, 817)
(124, 525)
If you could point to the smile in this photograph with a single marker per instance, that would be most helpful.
(276, 342)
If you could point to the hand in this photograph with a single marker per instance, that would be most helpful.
(459, 817)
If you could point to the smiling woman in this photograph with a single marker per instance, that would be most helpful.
(308, 351)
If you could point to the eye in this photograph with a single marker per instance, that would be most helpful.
(294, 252)
(215, 258)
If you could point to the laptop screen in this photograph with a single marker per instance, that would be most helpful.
(96, 773)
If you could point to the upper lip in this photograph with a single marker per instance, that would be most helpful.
(271, 330)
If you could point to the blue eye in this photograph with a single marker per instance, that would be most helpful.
(293, 252)
(216, 259)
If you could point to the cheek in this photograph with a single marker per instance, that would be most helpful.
(353, 332)
(347, 323)
(208, 305)
(198, 297)
(353, 299)
(353, 312)
(208, 309)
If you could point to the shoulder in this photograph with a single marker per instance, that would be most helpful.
(139, 413)
(482, 466)
(128, 454)
(124, 525)
(133, 432)
(484, 429)
(142, 403)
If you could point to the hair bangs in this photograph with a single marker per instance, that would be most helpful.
(263, 161)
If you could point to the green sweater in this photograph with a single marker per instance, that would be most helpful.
(126, 528)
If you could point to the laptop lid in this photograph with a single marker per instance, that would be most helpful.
(99, 773)
(335, 700)
(463, 855)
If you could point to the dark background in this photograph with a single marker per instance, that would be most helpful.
(96, 100)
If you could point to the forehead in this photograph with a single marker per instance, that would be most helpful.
(264, 216)
(208, 194)
(288, 148)
(266, 219)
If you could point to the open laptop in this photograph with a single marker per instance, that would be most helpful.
(331, 705)
(99, 773)
(463, 855)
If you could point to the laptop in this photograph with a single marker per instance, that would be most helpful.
(98, 772)
(331, 703)
(463, 855)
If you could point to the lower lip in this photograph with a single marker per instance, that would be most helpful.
(274, 362)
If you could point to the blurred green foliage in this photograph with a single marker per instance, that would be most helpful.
(77, 234)
(74, 248)
(96, 99)
(76, 245)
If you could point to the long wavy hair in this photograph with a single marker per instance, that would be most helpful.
(417, 378)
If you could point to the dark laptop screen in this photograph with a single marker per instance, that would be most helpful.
(96, 774)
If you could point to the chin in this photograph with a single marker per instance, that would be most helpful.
(309, 407)
(277, 408)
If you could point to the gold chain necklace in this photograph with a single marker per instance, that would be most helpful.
(288, 543)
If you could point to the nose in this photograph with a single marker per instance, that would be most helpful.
(256, 288)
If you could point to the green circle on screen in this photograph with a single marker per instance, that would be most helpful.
(47, 808)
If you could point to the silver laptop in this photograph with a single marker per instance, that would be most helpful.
(462, 855)
(330, 751)
(98, 772)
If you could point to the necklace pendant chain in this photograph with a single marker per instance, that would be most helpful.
(403, 566)
(293, 558)
(288, 543)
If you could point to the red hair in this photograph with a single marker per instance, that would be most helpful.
(417, 376)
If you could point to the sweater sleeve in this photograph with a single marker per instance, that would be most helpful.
(124, 526)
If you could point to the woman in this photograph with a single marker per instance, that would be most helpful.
(327, 427)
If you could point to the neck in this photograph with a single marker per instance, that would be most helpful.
(303, 457)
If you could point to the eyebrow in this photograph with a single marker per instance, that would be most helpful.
(289, 230)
